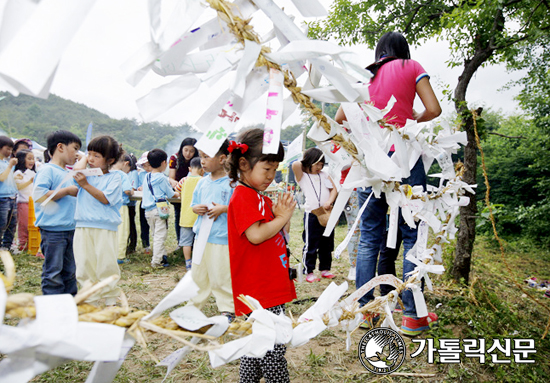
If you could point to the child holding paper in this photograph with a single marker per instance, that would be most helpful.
(157, 188)
(319, 191)
(24, 176)
(123, 168)
(143, 169)
(188, 216)
(211, 271)
(97, 218)
(8, 192)
(257, 245)
(56, 218)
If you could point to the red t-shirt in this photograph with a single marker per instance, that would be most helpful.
(260, 271)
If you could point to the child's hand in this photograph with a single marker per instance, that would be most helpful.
(176, 195)
(285, 206)
(18, 177)
(13, 162)
(327, 206)
(81, 179)
(200, 209)
(216, 210)
(140, 188)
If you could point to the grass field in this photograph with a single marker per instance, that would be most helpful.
(491, 307)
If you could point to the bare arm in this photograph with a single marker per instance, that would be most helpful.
(427, 95)
(95, 192)
(172, 174)
(297, 169)
(260, 232)
(332, 197)
(69, 190)
(81, 163)
(23, 185)
(4, 175)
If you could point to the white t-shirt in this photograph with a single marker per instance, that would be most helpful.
(24, 194)
(316, 188)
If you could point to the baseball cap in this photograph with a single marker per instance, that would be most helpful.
(143, 159)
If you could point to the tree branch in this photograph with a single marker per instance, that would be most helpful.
(505, 136)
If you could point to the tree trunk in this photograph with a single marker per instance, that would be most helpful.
(466, 236)
(460, 270)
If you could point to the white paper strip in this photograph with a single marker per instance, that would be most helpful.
(163, 98)
(274, 115)
(33, 54)
(310, 8)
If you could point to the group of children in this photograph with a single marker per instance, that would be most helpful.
(82, 211)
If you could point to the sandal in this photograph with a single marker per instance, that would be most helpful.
(327, 274)
(312, 278)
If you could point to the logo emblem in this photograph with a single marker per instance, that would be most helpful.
(382, 351)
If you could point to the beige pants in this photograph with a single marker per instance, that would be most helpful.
(123, 232)
(159, 230)
(213, 275)
(95, 253)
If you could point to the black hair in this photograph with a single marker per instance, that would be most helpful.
(254, 139)
(60, 137)
(391, 46)
(182, 162)
(108, 147)
(156, 157)
(195, 163)
(5, 141)
(47, 157)
(133, 161)
(18, 143)
(224, 148)
(21, 160)
(311, 157)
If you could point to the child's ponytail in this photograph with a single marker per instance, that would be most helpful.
(249, 146)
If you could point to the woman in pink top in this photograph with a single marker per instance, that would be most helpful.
(394, 74)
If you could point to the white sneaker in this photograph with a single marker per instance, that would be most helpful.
(351, 274)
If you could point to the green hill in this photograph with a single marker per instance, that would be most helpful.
(35, 118)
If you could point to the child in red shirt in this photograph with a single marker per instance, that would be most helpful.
(257, 246)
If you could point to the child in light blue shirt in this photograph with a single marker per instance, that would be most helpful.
(157, 187)
(8, 192)
(56, 218)
(97, 218)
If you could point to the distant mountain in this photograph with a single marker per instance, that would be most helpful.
(34, 118)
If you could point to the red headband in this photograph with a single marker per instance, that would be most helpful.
(235, 145)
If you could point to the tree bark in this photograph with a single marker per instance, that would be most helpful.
(460, 271)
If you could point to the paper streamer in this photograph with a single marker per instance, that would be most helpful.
(273, 118)
(346, 240)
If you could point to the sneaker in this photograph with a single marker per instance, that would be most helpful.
(121, 261)
(156, 265)
(164, 261)
(327, 274)
(312, 278)
(351, 274)
(230, 316)
(369, 321)
(413, 327)
(188, 264)
(147, 250)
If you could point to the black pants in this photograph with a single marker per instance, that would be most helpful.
(177, 213)
(317, 245)
(144, 228)
(272, 367)
(132, 238)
